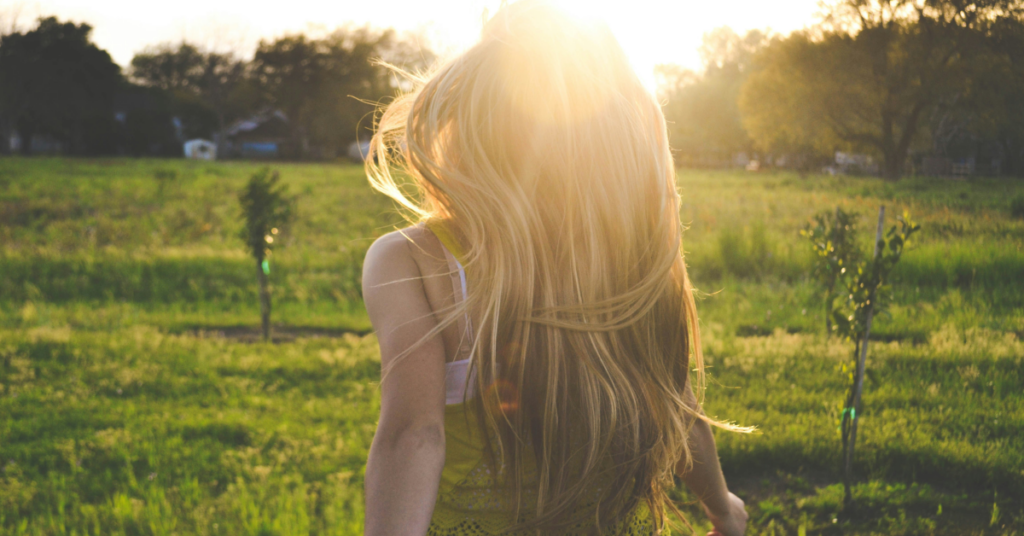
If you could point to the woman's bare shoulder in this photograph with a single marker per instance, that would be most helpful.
(397, 287)
(406, 253)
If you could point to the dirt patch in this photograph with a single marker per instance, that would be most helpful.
(278, 334)
(913, 337)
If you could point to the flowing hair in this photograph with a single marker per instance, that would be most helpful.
(548, 161)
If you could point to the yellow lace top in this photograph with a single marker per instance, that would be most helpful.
(470, 501)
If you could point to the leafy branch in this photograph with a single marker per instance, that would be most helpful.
(866, 286)
(833, 239)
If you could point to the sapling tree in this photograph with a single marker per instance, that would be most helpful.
(864, 283)
(163, 177)
(833, 237)
(267, 209)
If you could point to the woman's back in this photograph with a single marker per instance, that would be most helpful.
(471, 499)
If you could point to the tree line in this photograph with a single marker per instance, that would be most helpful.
(55, 83)
(906, 81)
(910, 83)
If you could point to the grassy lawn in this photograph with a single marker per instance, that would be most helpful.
(135, 400)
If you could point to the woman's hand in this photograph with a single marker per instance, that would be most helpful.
(732, 522)
(704, 478)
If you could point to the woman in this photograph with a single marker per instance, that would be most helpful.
(536, 323)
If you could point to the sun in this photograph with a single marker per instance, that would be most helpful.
(632, 30)
(636, 24)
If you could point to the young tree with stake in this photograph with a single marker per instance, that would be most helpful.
(864, 283)
(266, 208)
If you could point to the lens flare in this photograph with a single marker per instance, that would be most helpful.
(502, 398)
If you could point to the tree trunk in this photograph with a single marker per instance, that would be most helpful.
(830, 298)
(264, 300)
(25, 132)
(1011, 156)
(897, 153)
(76, 146)
(7, 131)
(218, 137)
(892, 168)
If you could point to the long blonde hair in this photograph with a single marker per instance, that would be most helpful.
(548, 160)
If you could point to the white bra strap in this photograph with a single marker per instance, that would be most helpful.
(462, 278)
(455, 266)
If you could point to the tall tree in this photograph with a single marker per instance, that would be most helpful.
(782, 102)
(55, 81)
(868, 76)
(211, 80)
(994, 104)
(327, 86)
(704, 121)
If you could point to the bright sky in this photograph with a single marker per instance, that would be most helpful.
(651, 31)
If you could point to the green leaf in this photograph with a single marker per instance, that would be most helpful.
(895, 244)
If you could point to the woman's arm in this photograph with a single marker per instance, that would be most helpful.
(404, 467)
(705, 479)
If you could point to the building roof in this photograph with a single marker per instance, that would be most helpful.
(270, 125)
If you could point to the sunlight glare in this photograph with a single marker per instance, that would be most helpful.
(631, 30)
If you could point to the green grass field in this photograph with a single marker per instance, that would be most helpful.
(134, 398)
